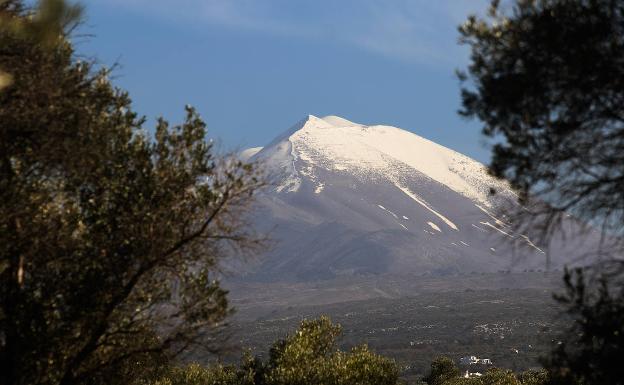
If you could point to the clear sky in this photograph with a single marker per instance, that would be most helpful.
(253, 68)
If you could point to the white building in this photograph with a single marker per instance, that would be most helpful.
(472, 374)
(474, 360)
(468, 360)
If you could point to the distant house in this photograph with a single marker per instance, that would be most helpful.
(474, 360)
(468, 360)
(472, 374)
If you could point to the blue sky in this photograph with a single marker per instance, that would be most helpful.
(255, 67)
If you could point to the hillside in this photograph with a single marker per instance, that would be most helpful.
(353, 200)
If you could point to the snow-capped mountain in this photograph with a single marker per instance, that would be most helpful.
(352, 199)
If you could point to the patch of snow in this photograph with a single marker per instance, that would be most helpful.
(319, 188)
(434, 226)
(477, 227)
(464, 243)
(246, 154)
(406, 218)
(532, 244)
(385, 209)
(290, 185)
(426, 205)
(496, 220)
(496, 228)
(493, 249)
(403, 226)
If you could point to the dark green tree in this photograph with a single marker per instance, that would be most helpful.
(593, 345)
(195, 374)
(309, 356)
(442, 370)
(51, 19)
(109, 239)
(491, 377)
(534, 377)
(546, 78)
(547, 81)
(496, 376)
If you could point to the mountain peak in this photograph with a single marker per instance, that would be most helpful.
(337, 121)
(350, 199)
(314, 121)
(336, 144)
(325, 122)
(310, 121)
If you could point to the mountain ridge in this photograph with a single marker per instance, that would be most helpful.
(372, 143)
(353, 199)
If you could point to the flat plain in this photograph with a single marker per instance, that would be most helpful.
(510, 318)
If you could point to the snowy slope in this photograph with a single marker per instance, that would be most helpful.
(351, 199)
(337, 144)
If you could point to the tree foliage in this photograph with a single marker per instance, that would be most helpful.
(593, 345)
(546, 78)
(195, 374)
(445, 372)
(109, 239)
(309, 356)
(442, 370)
(46, 24)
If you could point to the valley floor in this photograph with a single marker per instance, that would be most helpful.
(510, 318)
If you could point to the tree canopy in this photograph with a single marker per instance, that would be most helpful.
(592, 347)
(109, 239)
(546, 78)
(445, 372)
(442, 370)
(308, 356)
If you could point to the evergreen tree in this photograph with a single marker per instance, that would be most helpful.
(547, 80)
(442, 370)
(592, 347)
(109, 239)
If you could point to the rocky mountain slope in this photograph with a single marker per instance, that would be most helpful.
(353, 200)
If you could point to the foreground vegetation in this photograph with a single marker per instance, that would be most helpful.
(310, 356)
(109, 238)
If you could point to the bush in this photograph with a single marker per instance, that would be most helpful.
(309, 356)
